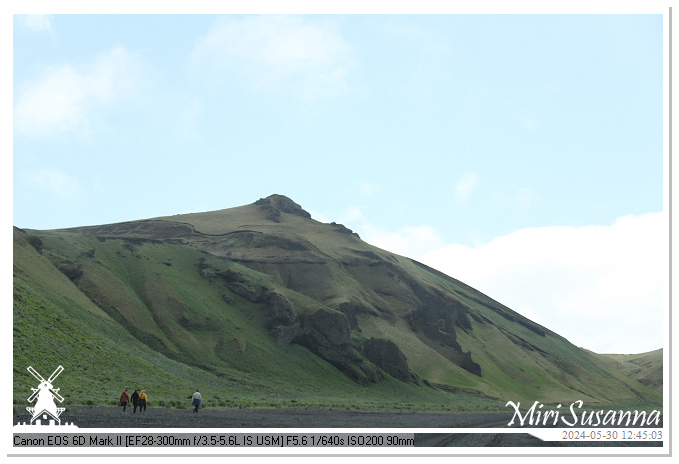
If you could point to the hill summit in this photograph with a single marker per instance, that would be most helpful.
(265, 291)
(274, 205)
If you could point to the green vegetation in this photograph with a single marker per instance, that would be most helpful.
(646, 368)
(101, 357)
(259, 313)
(100, 360)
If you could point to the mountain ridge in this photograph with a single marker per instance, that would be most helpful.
(296, 282)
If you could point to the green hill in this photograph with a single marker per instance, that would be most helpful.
(261, 304)
(644, 367)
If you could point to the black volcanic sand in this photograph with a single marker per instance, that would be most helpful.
(112, 417)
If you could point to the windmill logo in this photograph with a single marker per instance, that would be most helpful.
(45, 408)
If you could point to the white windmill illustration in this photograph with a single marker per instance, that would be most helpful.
(46, 393)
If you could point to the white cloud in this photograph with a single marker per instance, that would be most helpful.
(464, 187)
(54, 181)
(602, 287)
(37, 22)
(62, 99)
(352, 213)
(275, 51)
(410, 241)
(318, 216)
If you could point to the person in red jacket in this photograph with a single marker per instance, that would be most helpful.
(124, 399)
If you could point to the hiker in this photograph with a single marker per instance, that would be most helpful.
(196, 399)
(135, 400)
(124, 399)
(142, 401)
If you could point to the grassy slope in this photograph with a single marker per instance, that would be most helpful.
(647, 368)
(512, 372)
(541, 366)
(55, 325)
(229, 340)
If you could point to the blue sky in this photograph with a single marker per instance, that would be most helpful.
(458, 140)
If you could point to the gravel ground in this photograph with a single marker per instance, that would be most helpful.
(295, 418)
(112, 417)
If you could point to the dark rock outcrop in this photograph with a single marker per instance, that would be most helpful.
(350, 310)
(341, 228)
(272, 214)
(231, 276)
(36, 243)
(280, 310)
(327, 333)
(285, 335)
(387, 355)
(274, 205)
(252, 295)
(286, 205)
(71, 270)
(88, 253)
(434, 322)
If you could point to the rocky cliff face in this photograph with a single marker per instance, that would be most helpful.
(207, 288)
(327, 333)
(433, 317)
(360, 282)
(274, 205)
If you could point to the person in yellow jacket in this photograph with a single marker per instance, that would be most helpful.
(142, 401)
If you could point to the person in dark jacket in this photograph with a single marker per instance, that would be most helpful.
(135, 400)
(124, 399)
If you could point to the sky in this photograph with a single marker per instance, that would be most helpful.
(521, 154)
